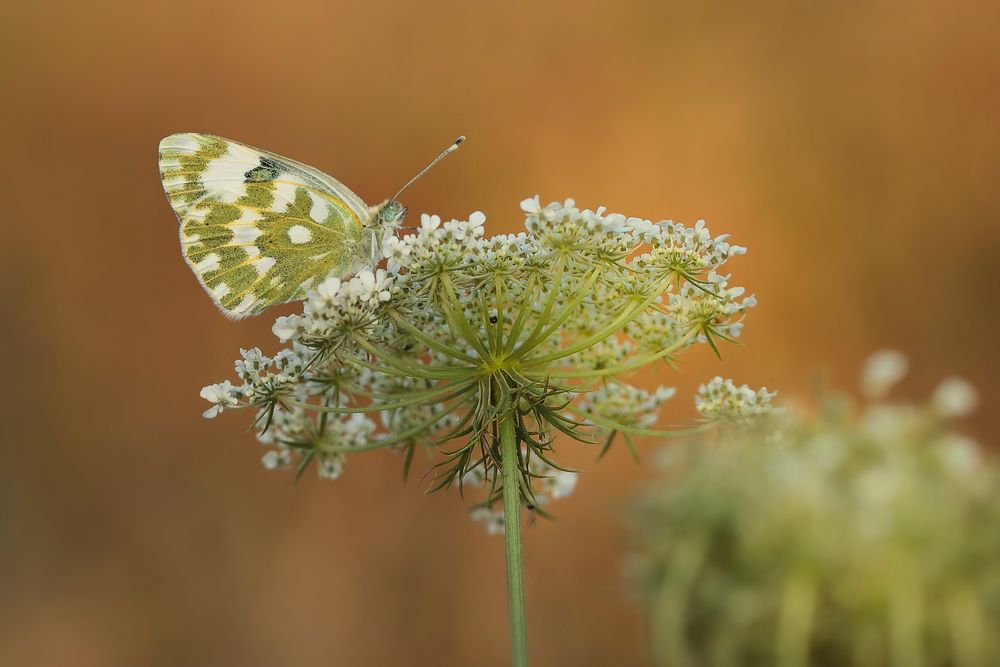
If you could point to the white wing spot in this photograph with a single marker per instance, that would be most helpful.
(223, 176)
(220, 290)
(246, 304)
(319, 210)
(198, 213)
(299, 234)
(244, 237)
(184, 142)
(243, 234)
(284, 193)
(209, 263)
(250, 215)
(244, 154)
(264, 264)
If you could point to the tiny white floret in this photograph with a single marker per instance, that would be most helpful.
(955, 397)
(882, 371)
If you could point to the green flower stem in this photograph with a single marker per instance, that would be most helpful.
(530, 296)
(430, 342)
(444, 393)
(402, 436)
(496, 333)
(385, 369)
(628, 366)
(627, 314)
(543, 317)
(406, 367)
(512, 538)
(394, 396)
(567, 312)
(456, 319)
(634, 430)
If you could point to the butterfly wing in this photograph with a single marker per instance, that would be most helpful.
(256, 228)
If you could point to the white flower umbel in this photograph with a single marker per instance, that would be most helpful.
(484, 349)
(222, 395)
(955, 397)
(882, 370)
(722, 400)
(462, 331)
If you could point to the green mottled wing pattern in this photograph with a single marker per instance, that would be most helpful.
(258, 229)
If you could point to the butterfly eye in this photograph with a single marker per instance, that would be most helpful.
(393, 213)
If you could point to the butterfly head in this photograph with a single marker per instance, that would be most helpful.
(391, 215)
(386, 219)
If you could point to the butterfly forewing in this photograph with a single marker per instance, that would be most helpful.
(258, 229)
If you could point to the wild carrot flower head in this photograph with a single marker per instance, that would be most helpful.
(461, 329)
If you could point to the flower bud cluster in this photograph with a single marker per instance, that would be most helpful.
(722, 400)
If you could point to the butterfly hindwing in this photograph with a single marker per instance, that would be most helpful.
(258, 229)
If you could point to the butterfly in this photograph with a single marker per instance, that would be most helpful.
(259, 229)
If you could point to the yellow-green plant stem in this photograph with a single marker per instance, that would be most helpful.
(512, 538)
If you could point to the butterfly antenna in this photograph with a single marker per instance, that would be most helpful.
(423, 171)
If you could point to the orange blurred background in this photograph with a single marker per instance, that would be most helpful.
(853, 147)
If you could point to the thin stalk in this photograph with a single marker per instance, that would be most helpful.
(512, 539)
(495, 333)
(550, 302)
(528, 296)
(430, 342)
(444, 393)
(390, 397)
(628, 313)
(635, 430)
(415, 370)
(409, 433)
(628, 366)
(582, 293)
(455, 317)
(384, 369)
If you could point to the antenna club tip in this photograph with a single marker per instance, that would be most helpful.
(460, 139)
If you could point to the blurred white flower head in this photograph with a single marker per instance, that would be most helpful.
(955, 397)
(881, 371)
